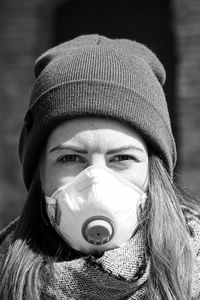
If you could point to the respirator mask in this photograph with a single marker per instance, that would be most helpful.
(96, 211)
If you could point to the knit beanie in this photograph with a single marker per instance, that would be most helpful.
(95, 76)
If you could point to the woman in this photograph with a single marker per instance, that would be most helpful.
(103, 219)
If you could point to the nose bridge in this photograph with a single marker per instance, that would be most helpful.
(97, 159)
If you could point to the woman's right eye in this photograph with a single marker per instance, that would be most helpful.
(70, 158)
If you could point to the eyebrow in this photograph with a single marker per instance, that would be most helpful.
(65, 148)
(124, 148)
(84, 151)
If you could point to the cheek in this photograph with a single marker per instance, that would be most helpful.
(143, 177)
(54, 178)
(138, 176)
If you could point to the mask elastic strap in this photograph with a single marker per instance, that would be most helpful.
(50, 200)
(42, 212)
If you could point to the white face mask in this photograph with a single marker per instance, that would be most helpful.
(95, 212)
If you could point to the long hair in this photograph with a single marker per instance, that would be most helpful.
(35, 243)
(167, 236)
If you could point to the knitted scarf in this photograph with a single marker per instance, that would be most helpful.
(119, 274)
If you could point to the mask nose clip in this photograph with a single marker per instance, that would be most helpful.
(98, 230)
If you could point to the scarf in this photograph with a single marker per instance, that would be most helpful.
(120, 273)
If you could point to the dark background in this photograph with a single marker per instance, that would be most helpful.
(28, 28)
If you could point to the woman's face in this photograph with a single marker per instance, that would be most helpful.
(83, 142)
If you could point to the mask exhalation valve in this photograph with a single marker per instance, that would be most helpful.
(98, 230)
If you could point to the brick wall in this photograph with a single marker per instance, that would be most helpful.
(25, 32)
(187, 29)
(25, 29)
(17, 23)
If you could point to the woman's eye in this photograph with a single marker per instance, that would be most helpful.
(123, 157)
(71, 158)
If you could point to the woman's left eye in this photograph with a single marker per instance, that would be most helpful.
(123, 157)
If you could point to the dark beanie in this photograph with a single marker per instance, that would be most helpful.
(93, 75)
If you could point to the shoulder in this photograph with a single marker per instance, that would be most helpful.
(192, 218)
(5, 240)
(7, 230)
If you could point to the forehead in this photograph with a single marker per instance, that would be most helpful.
(87, 128)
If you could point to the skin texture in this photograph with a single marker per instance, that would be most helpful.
(79, 143)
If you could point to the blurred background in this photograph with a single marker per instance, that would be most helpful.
(171, 28)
